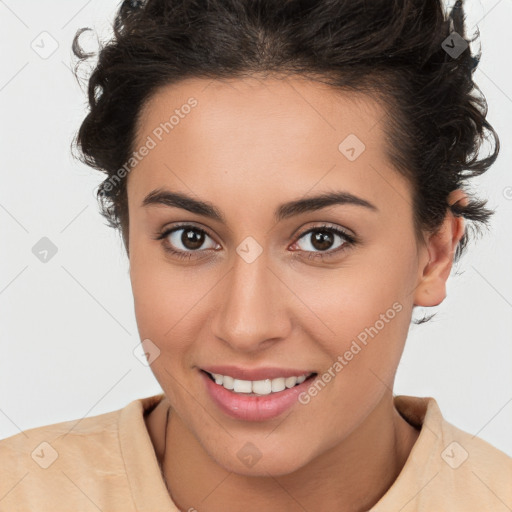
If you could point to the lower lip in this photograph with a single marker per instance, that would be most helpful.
(253, 408)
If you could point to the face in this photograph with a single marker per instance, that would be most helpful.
(261, 290)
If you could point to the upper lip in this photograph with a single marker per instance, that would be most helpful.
(263, 373)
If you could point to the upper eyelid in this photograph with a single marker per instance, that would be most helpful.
(327, 227)
(171, 229)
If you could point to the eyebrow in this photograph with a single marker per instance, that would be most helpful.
(283, 211)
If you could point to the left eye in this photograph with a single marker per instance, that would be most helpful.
(323, 239)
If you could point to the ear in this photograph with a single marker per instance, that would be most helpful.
(440, 249)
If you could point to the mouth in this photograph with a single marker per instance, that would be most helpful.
(258, 387)
(259, 400)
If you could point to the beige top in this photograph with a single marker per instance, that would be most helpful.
(108, 463)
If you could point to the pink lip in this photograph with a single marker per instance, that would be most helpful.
(255, 373)
(253, 408)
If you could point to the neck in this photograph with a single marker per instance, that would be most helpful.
(351, 476)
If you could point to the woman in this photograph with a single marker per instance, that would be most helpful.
(289, 182)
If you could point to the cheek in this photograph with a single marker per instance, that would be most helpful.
(362, 311)
(152, 303)
(157, 288)
(158, 297)
(346, 300)
(161, 307)
(170, 305)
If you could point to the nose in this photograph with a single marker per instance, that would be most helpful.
(254, 302)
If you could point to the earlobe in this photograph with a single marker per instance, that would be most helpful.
(440, 248)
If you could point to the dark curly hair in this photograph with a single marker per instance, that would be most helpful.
(393, 50)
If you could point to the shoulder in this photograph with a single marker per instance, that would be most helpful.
(463, 450)
(481, 468)
(43, 446)
(68, 464)
(448, 468)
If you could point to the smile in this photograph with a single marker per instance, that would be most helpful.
(255, 400)
(257, 387)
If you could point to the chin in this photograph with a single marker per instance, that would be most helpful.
(264, 462)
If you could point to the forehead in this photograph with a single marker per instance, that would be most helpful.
(271, 103)
(242, 135)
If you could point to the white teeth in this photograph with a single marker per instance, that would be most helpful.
(278, 384)
(289, 382)
(228, 382)
(242, 386)
(259, 387)
(262, 387)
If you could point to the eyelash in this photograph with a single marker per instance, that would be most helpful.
(350, 241)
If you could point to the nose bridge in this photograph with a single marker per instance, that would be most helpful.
(251, 311)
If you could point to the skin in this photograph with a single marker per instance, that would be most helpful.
(248, 146)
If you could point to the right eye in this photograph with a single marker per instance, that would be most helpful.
(182, 241)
